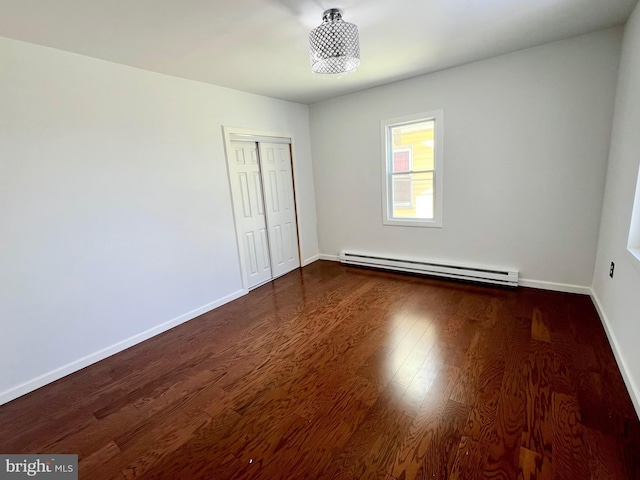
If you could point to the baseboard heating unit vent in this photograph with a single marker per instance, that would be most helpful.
(449, 270)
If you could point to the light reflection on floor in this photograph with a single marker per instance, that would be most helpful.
(415, 359)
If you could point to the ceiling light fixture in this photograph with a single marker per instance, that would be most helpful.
(334, 45)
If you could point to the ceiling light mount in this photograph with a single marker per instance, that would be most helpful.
(334, 45)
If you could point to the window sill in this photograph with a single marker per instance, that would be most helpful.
(413, 223)
(634, 257)
(634, 253)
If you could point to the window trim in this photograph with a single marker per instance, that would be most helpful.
(387, 163)
(633, 241)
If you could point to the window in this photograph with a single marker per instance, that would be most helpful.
(412, 170)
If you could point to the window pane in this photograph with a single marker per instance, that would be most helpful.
(412, 146)
(402, 191)
(401, 161)
(413, 195)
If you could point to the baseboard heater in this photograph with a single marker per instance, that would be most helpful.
(448, 270)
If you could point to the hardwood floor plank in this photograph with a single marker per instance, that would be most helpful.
(537, 432)
(162, 441)
(199, 451)
(539, 329)
(93, 463)
(504, 444)
(533, 466)
(603, 457)
(465, 390)
(335, 423)
(469, 460)
(441, 456)
(422, 442)
(569, 449)
(481, 421)
(370, 449)
(202, 466)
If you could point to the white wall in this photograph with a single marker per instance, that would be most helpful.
(525, 152)
(619, 297)
(115, 211)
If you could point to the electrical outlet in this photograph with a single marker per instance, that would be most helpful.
(613, 266)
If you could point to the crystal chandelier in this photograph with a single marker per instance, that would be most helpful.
(334, 45)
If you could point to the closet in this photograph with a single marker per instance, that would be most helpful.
(261, 176)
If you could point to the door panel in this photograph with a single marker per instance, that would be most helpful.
(280, 206)
(273, 191)
(246, 189)
(252, 254)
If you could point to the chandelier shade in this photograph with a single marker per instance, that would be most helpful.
(334, 45)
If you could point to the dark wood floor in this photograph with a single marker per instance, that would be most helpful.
(334, 372)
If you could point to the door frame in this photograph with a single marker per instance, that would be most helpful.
(254, 135)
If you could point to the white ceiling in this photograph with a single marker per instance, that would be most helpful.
(261, 46)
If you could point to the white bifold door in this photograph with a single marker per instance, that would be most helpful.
(264, 207)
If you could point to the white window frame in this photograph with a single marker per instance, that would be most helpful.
(633, 243)
(387, 167)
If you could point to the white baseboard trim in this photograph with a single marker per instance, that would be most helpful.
(332, 258)
(309, 260)
(556, 287)
(632, 387)
(83, 362)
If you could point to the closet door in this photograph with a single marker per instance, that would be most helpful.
(246, 189)
(277, 181)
